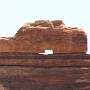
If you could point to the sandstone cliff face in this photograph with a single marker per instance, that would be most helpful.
(22, 69)
(46, 35)
(25, 71)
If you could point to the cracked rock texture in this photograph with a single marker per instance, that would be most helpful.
(45, 35)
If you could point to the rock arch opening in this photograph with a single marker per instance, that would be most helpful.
(47, 52)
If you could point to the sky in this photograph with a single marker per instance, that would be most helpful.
(14, 13)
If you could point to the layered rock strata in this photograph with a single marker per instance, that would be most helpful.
(46, 35)
(25, 71)
(21, 68)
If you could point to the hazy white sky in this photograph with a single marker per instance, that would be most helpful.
(14, 13)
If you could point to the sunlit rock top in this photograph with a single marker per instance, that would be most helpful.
(46, 35)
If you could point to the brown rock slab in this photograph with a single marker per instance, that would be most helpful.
(46, 35)
(31, 78)
(26, 71)
(36, 60)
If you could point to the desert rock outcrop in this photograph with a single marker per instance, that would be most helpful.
(46, 35)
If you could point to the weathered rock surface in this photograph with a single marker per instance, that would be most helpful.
(25, 71)
(67, 69)
(46, 35)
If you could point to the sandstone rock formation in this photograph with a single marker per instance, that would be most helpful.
(22, 69)
(25, 71)
(45, 35)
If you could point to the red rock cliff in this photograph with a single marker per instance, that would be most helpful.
(46, 35)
